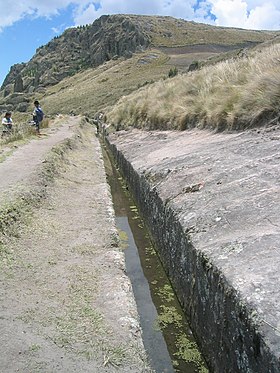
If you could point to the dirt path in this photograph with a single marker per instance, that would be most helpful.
(26, 158)
(65, 303)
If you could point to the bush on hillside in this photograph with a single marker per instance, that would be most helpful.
(172, 72)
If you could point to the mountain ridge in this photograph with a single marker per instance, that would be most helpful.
(112, 37)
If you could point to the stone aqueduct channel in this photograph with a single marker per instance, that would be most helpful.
(211, 203)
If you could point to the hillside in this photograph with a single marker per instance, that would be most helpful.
(172, 32)
(94, 89)
(116, 37)
(234, 94)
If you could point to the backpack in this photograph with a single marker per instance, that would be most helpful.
(39, 114)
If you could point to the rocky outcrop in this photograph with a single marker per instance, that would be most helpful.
(18, 86)
(15, 101)
(14, 72)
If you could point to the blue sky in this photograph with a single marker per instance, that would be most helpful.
(26, 25)
(18, 42)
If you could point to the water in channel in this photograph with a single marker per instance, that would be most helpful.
(166, 335)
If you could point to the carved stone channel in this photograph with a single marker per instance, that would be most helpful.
(225, 321)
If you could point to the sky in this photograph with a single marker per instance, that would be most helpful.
(26, 25)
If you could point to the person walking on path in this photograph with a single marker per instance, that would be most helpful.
(38, 116)
(7, 124)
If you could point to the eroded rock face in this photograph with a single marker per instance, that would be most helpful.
(16, 98)
(18, 85)
(14, 72)
(8, 90)
(22, 107)
(18, 101)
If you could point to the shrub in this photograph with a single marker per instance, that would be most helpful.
(172, 72)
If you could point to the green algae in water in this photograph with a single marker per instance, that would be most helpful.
(123, 239)
(188, 351)
(166, 293)
(168, 316)
(150, 250)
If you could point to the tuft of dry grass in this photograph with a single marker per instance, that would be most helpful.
(22, 129)
(233, 94)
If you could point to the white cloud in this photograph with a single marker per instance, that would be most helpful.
(255, 14)
(55, 30)
(252, 14)
(249, 14)
(176, 8)
(59, 29)
(12, 11)
(229, 12)
(265, 16)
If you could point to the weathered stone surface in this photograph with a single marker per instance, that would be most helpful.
(31, 89)
(18, 85)
(28, 81)
(8, 90)
(4, 108)
(22, 107)
(16, 98)
(211, 202)
(41, 89)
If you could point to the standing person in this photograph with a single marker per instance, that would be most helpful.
(38, 116)
(7, 124)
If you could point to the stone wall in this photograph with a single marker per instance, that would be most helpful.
(224, 326)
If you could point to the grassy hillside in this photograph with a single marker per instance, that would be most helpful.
(95, 89)
(172, 32)
(232, 94)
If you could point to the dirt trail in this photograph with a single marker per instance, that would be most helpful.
(66, 304)
(26, 158)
